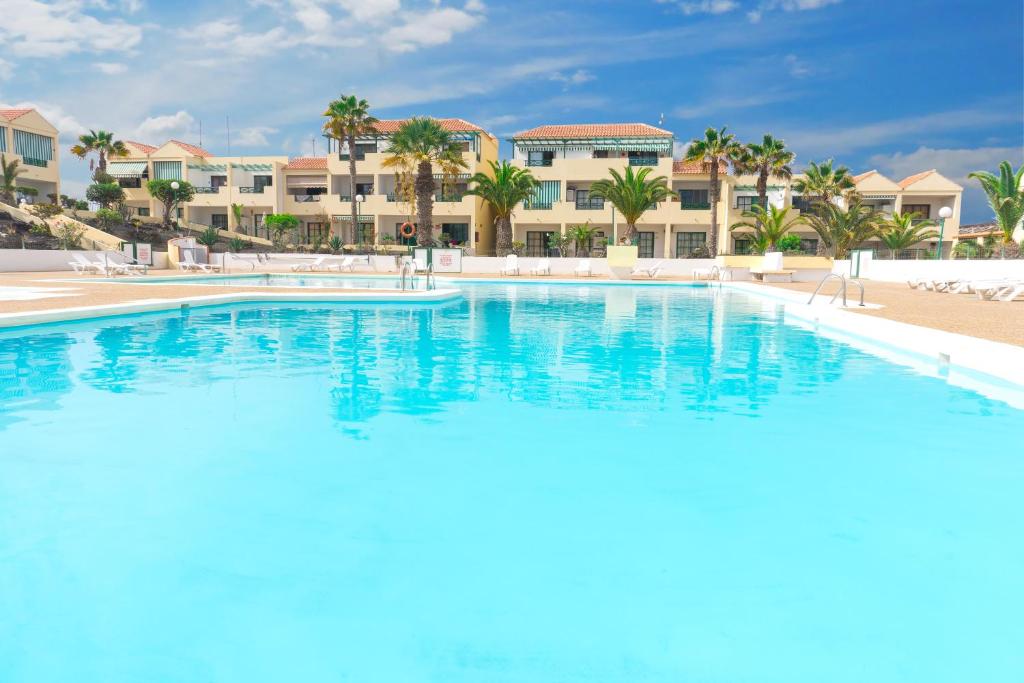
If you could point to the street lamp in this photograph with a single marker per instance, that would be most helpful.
(359, 210)
(944, 213)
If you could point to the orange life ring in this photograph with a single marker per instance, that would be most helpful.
(407, 230)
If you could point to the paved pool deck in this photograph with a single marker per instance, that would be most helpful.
(958, 313)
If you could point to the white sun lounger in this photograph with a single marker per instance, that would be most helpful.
(1007, 290)
(543, 267)
(511, 266)
(583, 269)
(1011, 292)
(650, 271)
(82, 265)
(189, 264)
(309, 265)
(347, 263)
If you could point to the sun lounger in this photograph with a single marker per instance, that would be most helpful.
(1011, 292)
(583, 269)
(511, 266)
(543, 267)
(309, 266)
(82, 265)
(347, 263)
(189, 264)
(650, 271)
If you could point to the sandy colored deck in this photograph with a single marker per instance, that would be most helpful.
(959, 313)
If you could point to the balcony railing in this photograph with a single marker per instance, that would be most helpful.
(360, 156)
(694, 206)
(590, 204)
(643, 161)
(207, 190)
(29, 161)
(539, 162)
(457, 197)
(251, 190)
(537, 206)
(306, 198)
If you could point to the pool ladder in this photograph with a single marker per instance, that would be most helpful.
(843, 281)
(408, 270)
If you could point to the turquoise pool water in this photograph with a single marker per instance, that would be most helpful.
(535, 483)
(280, 280)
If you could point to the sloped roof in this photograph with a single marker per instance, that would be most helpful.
(695, 167)
(307, 164)
(191, 149)
(11, 114)
(911, 179)
(450, 125)
(594, 130)
(935, 182)
(861, 176)
(141, 146)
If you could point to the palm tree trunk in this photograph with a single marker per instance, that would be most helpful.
(103, 162)
(352, 186)
(631, 233)
(425, 204)
(713, 200)
(503, 245)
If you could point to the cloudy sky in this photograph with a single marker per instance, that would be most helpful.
(897, 85)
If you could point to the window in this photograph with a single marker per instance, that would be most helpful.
(923, 211)
(365, 235)
(545, 195)
(745, 203)
(808, 245)
(694, 199)
(219, 221)
(3, 139)
(742, 246)
(645, 244)
(167, 170)
(261, 181)
(537, 243)
(143, 211)
(458, 233)
(803, 204)
(181, 212)
(601, 154)
(35, 150)
(218, 180)
(690, 243)
(540, 158)
(315, 230)
(642, 158)
(130, 182)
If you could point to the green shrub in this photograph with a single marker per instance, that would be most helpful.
(335, 244)
(208, 238)
(790, 243)
(107, 218)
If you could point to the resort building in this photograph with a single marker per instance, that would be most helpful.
(31, 140)
(315, 189)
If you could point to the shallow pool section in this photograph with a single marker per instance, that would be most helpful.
(537, 483)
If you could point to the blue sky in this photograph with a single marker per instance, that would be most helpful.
(896, 85)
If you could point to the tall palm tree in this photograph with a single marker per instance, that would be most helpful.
(715, 149)
(842, 229)
(769, 225)
(632, 194)
(347, 119)
(9, 172)
(582, 237)
(503, 189)
(903, 230)
(825, 182)
(1005, 196)
(768, 158)
(103, 144)
(415, 147)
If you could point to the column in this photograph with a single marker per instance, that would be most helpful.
(667, 250)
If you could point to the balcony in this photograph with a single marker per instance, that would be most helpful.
(207, 190)
(537, 206)
(539, 162)
(360, 156)
(306, 198)
(643, 161)
(29, 161)
(251, 190)
(456, 197)
(590, 204)
(694, 206)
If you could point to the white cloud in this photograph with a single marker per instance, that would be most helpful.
(67, 125)
(6, 70)
(428, 29)
(374, 10)
(716, 105)
(708, 6)
(111, 68)
(797, 68)
(256, 136)
(156, 130)
(578, 77)
(474, 6)
(755, 15)
(31, 28)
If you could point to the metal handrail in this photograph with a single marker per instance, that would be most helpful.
(842, 289)
(406, 266)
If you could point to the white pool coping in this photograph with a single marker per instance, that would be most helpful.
(150, 305)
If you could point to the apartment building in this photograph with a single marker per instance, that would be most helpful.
(30, 139)
(568, 159)
(317, 190)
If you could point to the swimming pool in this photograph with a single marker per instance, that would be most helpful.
(534, 483)
(275, 280)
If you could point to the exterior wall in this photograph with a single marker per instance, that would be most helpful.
(45, 179)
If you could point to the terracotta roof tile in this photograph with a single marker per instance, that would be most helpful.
(191, 149)
(862, 176)
(11, 114)
(141, 146)
(695, 167)
(910, 180)
(307, 163)
(594, 130)
(978, 229)
(451, 125)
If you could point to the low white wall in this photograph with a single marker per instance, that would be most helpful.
(901, 271)
(41, 260)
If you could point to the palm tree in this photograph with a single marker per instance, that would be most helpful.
(904, 230)
(632, 194)
(1005, 196)
(767, 158)
(713, 150)
(9, 172)
(769, 225)
(582, 237)
(842, 229)
(506, 187)
(415, 147)
(347, 119)
(103, 144)
(824, 182)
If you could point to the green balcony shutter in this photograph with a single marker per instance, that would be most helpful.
(3, 139)
(32, 146)
(547, 193)
(167, 170)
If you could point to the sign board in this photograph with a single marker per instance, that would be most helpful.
(446, 260)
(138, 252)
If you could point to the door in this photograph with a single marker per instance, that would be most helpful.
(537, 243)
(645, 244)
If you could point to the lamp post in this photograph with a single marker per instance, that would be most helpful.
(359, 211)
(944, 213)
